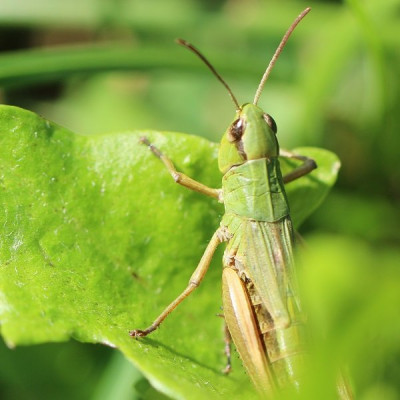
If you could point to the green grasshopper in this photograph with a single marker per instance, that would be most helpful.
(261, 307)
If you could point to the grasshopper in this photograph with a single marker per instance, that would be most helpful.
(261, 307)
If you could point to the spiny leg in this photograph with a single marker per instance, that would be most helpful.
(227, 347)
(227, 350)
(194, 282)
(308, 165)
(181, 178)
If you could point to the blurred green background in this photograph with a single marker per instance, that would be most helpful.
(112, 65)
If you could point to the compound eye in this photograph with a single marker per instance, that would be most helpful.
(236, 130)
(271, 123)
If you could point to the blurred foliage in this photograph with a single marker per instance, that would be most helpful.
(105, 65)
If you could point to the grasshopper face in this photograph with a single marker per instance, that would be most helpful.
(251, 136)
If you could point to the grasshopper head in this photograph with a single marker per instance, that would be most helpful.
(252, 135)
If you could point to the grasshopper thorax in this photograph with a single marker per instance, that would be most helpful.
(251, 136)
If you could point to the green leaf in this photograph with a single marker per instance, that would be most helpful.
(96, 239)
(307, 193)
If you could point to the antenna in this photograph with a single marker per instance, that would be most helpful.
(277, 52)
(189, 46)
